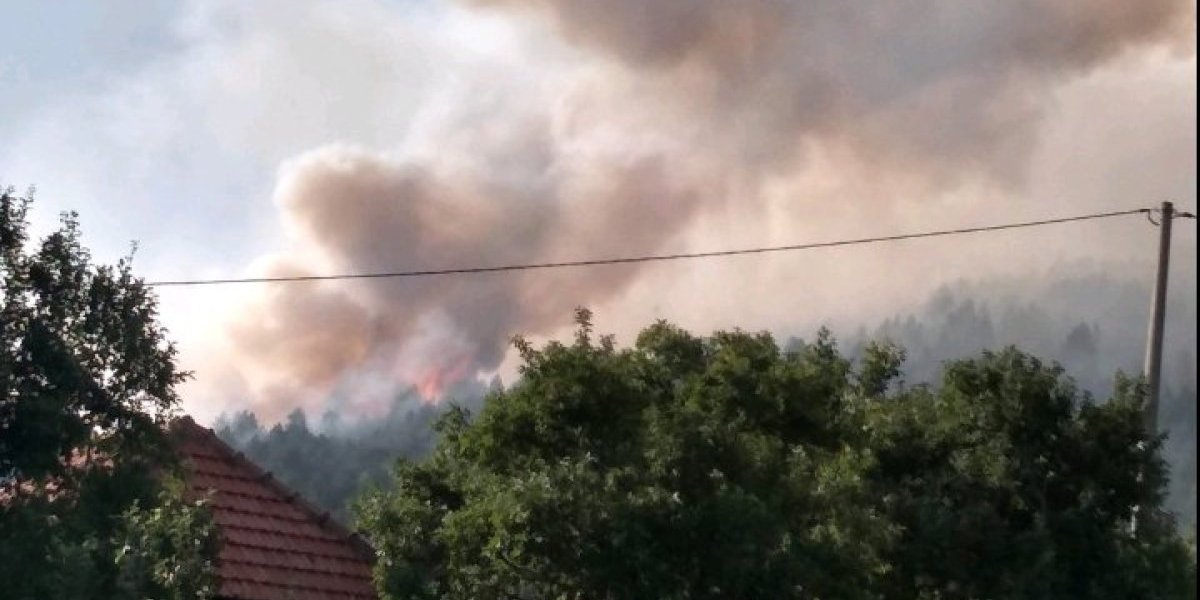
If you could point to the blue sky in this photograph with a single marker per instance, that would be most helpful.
(70, 48)
(65, 61)
(100, 114)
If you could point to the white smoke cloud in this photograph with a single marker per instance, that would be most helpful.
(677, 123)
(419, 135)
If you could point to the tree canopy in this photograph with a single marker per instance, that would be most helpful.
(331, 468)
(87, 383)
(723, 467)
(331, 457)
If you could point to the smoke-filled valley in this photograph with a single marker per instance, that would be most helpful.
(329, 457)
(565, 131)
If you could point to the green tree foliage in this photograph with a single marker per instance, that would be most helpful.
(159, 546)
(331, 459)
(85, 366)
(86, 391)
(1006, 485)
(166, 551)
(1090, 321)
(723, 467)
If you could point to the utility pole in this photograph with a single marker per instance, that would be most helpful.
(1154, 341)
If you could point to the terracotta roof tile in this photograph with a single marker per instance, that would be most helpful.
(274, 546)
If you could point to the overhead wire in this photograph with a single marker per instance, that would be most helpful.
(651, 257)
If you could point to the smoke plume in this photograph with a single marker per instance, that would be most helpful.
(948, 89)
(667, 112)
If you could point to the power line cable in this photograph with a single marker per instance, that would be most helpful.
(653, 257)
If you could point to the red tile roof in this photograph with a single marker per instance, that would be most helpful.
(274, 546)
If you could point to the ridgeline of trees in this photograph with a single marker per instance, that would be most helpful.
(334, 459)
(1092, 323)
(329, 467)
(88, 504)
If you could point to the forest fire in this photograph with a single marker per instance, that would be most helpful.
(433, 383)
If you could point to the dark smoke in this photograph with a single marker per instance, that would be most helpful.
(679, 110)
(359, 213)
(950, 89)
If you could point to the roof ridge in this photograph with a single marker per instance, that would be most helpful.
(321, 517)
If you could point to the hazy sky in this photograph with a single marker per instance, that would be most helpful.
(238, 138)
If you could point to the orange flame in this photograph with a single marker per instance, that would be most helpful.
(432, 385)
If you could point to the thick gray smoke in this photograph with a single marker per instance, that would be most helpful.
(675, 109)
(356, 212)
(946, 89)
